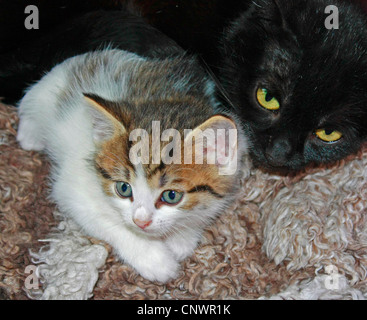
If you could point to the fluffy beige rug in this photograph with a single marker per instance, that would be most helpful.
(295, 237)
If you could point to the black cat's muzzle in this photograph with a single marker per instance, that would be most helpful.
(277, 156)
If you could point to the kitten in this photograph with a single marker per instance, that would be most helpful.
(83, 114)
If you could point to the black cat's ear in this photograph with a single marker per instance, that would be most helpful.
(281, 19)
(273, 12)
(105, 118)
(281, 16)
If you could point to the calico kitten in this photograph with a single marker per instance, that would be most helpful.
(83, 114)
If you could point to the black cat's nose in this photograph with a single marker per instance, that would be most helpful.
(278, 152)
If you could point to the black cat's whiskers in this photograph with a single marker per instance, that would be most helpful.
(256, 4)
(219, 86)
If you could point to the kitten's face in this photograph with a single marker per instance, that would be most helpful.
(161, 199)
(299, 88)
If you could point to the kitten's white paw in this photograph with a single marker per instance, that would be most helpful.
(157, 264)
(182, 248)
(28, 135)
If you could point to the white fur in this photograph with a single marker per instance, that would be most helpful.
(55, 117)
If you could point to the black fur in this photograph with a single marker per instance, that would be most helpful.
(95, 30)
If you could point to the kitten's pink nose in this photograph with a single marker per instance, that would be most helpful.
(142, 224)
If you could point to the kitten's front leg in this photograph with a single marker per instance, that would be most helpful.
(150, 258)
(183, 245)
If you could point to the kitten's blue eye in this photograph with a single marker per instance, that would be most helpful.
(123, 189)
(171, 197)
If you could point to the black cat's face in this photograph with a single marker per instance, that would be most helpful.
(299, 88)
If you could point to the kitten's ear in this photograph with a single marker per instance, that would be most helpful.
(215, 140)
(104, 117)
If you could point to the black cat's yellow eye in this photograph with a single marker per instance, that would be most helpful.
(123, 189)
(171, 197)
(328, 135)
(266, 100)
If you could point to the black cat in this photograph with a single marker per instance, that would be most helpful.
(300, 88)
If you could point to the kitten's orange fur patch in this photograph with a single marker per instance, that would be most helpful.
(179, 177)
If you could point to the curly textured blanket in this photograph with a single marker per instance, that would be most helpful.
(295, 237)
